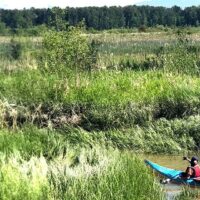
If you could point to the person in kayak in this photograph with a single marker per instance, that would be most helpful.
(193, 171)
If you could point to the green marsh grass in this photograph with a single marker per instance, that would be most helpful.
(103, 88)
(41, 164)
(143, 43)
(80, 151)
(98, 174)
(188, 194)
(163, 136)
(24, 47)
(107, 99)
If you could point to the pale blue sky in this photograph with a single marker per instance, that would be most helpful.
(170, 3)
(20, 4)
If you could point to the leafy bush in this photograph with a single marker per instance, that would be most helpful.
(15, 49)
(67, 50)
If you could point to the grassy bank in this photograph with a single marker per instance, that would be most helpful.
(128, 97)
(128, 107)
(188, 194)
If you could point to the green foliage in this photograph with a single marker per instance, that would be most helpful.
(150, 63)
(31, 141)
(15, 49)
(103, 18)
(34, 31)
(148, 111)
(162, 136)
(105, 100)
(181, 59)
(3, 29)
(57, 20)
(66, 50)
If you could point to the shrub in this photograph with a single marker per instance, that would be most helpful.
(142, 28)
(67, 50)
(15, 49)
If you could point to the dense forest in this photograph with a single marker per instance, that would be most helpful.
(101, 18)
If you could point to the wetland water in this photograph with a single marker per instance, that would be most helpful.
(174, 162)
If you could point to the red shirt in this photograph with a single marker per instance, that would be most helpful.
(196, 169)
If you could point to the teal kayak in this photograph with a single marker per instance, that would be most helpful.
(174, 175)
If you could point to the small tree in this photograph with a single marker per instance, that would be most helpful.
(67, 50)
(57, 19)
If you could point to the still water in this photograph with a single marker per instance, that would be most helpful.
(174, 162)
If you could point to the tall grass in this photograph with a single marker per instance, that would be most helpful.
(98, 174)
(40, 164)
(143, 43)
(24, 48)
(171, 137)
(103, 88)
(188, 194)
(105, 100)
(122, 180)
(87, 119)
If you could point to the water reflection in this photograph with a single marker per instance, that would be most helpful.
(174, 162)
(172, 190)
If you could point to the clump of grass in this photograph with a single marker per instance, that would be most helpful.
(30, 141)
(188, 194)
(119, 181)
(162, 136)
(18, 53)
(21, 180)
(99, 174)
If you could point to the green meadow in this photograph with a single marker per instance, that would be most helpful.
(74, 118)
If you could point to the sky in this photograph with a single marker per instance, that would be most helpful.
(20, 4)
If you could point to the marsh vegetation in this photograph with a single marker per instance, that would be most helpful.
(75, 108)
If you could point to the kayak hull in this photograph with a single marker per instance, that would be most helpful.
(174, 175)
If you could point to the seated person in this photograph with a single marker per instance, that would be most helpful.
(193, 171)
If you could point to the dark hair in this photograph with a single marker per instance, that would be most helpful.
(194, 158)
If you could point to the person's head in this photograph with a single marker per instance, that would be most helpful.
(194, 161)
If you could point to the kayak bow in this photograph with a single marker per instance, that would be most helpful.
(172, 174)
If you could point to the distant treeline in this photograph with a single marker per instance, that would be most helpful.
(102, 17)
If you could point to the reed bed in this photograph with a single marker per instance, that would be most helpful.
(78, 174)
